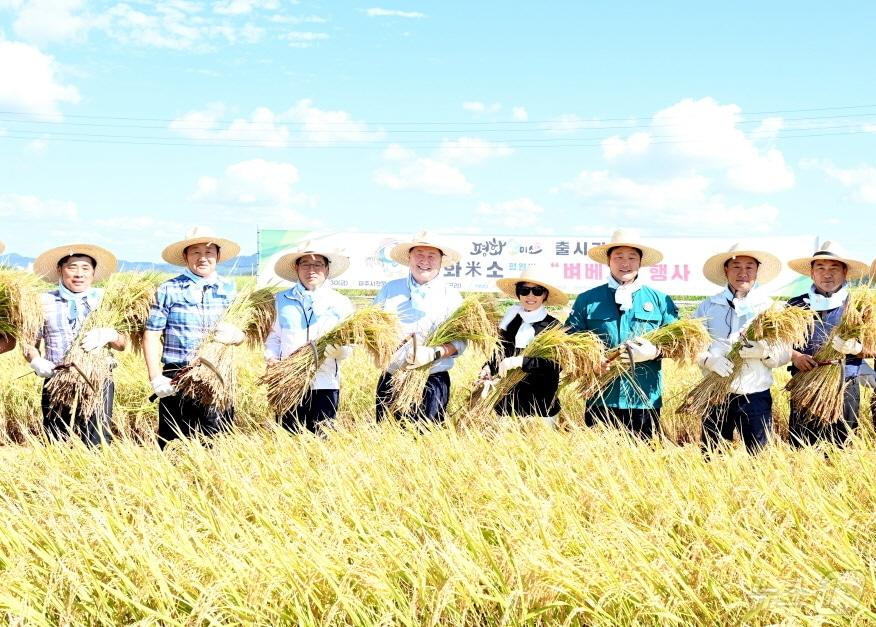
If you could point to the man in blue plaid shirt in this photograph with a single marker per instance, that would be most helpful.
(187, 307)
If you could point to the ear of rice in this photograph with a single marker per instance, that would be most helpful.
(471, 323)
(778, 325)
(288, 380)
(211, 378)
(579, 356)
(21, 312)
(263, 311)
(820, 391)
(124, 307)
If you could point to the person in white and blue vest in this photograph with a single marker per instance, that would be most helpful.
(748, 410)
(830, 270)
(75, 267)
(187, 308)
(304, 313)
(422, 300)
(620, 312)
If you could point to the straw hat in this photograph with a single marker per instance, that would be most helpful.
(199, 235)
(2, 247)
(284, 267)
(508, 285)
(400, 253)
(769, 268)
(625, 237)
(46, 265)
(832, 251)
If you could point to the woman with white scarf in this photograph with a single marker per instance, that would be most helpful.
(620, 312)
(75, 267)
(829, 270)
(535, 395)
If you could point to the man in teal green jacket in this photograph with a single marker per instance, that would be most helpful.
(620, 312)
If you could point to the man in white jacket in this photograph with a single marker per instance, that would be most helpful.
(304, 313)
(740, 271)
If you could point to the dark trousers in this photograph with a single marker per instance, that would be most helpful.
(643, 423)
(318, 406)
(804, 429)
(92, 430)
(751, 414)
(181, 416)
(432, 408)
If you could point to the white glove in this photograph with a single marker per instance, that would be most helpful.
(43, 367)
(719, 364)
(485, 373)
(758, 350)
(162, 386)
(338, 353)
(510, 363)
(642, 350)
(423, 356)
(98, 338)
(226, 333)
(847, 347)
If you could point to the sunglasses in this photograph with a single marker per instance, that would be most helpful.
(535, 290)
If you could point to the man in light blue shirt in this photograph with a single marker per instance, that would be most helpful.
(422, 300)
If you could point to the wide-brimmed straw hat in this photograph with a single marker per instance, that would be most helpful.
(199, 235)
(401, 252)
(284, 267)
(626, 237)
(829, 251)
(508, 285)
(46, 265)
(769, 268)
(2, 247)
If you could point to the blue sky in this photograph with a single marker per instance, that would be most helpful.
(124, 123)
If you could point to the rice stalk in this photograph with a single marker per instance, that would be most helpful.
(820, 391)
(778, 325)
(124, 307)
(21, 311)
(473, 323)
(288, 380)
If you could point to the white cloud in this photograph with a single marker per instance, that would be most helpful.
(303, 39)
(470, 150)
(269, 129)
(519, 114)
(570, 124)
(480, 107)
(685, 202)
(46, 21)
(861, 180)
(28, 81)
(378, 12)
(297, 19)
(869, 128)
(514, 214)
(243, 7)
(422, 174)
(635, 144)
(257, 191)
(23, 208)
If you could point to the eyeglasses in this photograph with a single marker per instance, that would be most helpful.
(535, 290)
(318, 265)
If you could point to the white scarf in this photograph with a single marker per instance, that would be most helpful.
(819, 302)
(79, 304)
(623, 294)
(526, 331)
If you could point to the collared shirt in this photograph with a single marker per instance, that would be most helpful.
(595, 310)
(435, 303)
(725, 326)
(298, 322)
(58, 331)
(825, 321)
(186, 312)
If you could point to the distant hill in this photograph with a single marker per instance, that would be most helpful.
(244, 265)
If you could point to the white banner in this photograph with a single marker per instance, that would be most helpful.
(562, 261)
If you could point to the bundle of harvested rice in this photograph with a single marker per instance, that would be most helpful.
(779, 325)
(820, 391)
(288, 380)
(472, 323)
(578, 355)
(124, 307)
(681, 341)
(210, 378)
(21, 312)
(262, 301)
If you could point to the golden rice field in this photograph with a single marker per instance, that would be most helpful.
(512, 524)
